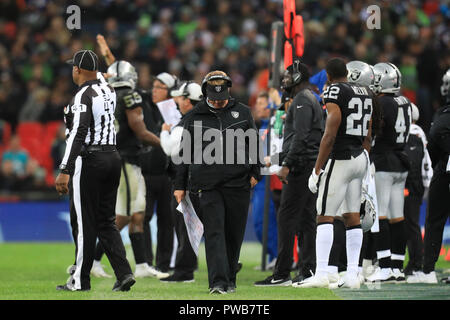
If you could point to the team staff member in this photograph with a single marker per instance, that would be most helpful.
(223, 188)
(303, 130)
(90, 169)
(439, 192)
(187, 96)
(418, 179)
(155, 165)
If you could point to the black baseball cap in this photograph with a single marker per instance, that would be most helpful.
(84, 59)
(217, 92)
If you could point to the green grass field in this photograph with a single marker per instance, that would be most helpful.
(31, 271)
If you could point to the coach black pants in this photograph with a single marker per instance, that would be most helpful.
(413, 233)
(93, 192)
(297, 214)
(224, 214)
(186, 260)
(159, 193)
(437, 215)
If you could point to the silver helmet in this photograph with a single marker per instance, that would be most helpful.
(445, 87)
(360, 73)
(123, 74)
(388, 78)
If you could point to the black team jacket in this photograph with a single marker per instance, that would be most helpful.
(236, 164)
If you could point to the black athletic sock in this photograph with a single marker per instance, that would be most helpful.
(98, 251)
(383, 244)
(137, 243)
(338, 245)
(398, 244)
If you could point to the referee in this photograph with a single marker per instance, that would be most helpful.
(90, 173)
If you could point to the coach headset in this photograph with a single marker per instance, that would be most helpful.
(295, 76)
(215, 77)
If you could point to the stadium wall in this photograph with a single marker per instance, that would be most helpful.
(50, 221)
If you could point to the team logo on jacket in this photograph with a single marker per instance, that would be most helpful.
(235, 114)
(218, 88)
(66, 109)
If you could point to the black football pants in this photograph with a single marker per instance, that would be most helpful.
(93, 192)
(224, 214)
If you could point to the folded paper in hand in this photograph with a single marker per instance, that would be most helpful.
(194, 226)
(169, 111)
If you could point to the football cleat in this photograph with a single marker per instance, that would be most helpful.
(349, 281)
(399, 275)
(383, 275)
(273, 282)
(315, 281)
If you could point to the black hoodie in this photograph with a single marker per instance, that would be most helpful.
(222, 122)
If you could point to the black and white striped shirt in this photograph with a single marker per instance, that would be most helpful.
(89, 120)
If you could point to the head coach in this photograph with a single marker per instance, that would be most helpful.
(90, 173)
(222, 186)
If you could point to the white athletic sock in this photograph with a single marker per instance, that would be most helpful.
(324, 242)
(353, 247)
(332, 269)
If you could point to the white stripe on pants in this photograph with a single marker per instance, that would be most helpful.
(77, 203)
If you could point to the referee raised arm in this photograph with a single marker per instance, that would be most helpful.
(90, 172)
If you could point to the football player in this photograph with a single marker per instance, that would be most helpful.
(359, 73)
(339, 186)
(391, 166)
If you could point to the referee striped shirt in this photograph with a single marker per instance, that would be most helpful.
(89, 120)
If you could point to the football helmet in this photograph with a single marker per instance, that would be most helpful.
(388, 78)
(123, 74)
(360, 73)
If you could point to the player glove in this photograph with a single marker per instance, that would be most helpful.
(313, 181)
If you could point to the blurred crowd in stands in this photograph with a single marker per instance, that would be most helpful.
(189, 38)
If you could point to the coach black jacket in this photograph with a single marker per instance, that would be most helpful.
(439, 140)
(303, 131)
(235, 166)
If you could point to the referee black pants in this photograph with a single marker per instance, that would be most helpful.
(297, 214)
(437, 215)
(224, 214)
(159, 193)
(93, 192)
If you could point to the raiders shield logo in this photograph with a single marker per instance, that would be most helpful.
(66, 109)
(235, 114)
(218, 88)
(354, 74)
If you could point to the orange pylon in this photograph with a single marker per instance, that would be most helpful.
(442, 252)
(447, 257)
